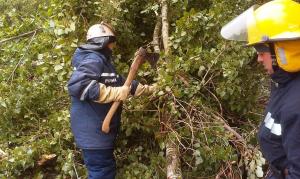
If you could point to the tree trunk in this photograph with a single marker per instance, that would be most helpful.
(165, 25)
(156, 34)
(172, 151)
(173, 160)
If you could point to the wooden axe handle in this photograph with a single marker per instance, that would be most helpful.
(132, 73)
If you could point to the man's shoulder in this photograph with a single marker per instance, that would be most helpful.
(88, 54)
(292, 97)
(294, 88)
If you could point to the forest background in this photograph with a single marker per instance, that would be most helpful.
(210, 99)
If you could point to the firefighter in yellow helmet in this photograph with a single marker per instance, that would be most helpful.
(273, 29)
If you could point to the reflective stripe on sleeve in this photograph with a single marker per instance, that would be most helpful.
(270, 124)
(108, 74)
(86, 89)
(269, 121)
(276, 129)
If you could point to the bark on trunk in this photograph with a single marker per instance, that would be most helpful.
(173, 160)
(156, 34)
(165, 25)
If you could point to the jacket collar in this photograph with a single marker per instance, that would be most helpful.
(95, 48)
(106, 52)
(281, 77)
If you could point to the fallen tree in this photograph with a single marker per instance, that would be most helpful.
(200, 123)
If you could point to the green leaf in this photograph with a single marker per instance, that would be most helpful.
(51, 24)
(3, 104)
(59, 31)
(58, 67)
(40, 56)
(72, 26)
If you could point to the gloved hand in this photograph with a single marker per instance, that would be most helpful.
(109, 94)
(145, 89)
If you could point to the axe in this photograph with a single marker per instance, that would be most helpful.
(141, 56)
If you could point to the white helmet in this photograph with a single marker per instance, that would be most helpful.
(100, 30)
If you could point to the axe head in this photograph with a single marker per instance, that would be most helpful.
(148, 55)
(152, 58)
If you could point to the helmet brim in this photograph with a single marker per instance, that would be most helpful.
(237, 29)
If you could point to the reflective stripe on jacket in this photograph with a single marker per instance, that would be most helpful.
(279, 133)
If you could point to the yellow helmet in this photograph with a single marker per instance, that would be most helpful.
(288, 55)
(275, 22)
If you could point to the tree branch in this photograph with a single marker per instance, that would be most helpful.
(21, 59)
(172, 149)
(20, 36)
(237, 135)
(230, 129)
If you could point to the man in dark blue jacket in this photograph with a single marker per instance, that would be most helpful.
(273, 29)
(93, 87)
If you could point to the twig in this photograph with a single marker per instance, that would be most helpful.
(75, 171)
(227, 127)
(203, 82)
(189, 117)
(13, 72)
(139, 110)
(19, 36)
(167, 125)
(218, 101)
(237, 135)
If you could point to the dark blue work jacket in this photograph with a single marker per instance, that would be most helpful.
(279, 133)
(90, 69)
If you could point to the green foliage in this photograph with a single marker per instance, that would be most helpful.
(204, 77)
